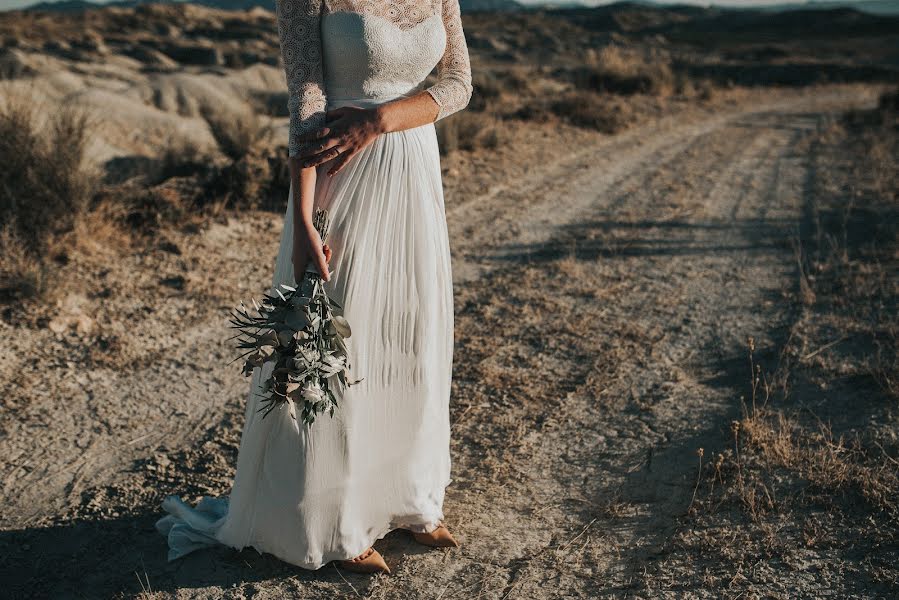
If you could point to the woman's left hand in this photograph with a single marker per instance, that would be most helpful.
(348, 130)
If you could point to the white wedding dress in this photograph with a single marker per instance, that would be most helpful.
(309, 495)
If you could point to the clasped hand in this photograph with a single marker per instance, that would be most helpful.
(347, 130)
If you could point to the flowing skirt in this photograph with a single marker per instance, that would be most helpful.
(309, 495)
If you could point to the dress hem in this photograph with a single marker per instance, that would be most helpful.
(314, 566)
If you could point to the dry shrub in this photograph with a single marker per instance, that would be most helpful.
(625, 71)
(21, 276)
(238, 134)
(46, 181)
(271, 103)
(889, 102)
(181, 157)
(469, 131)
(592, 111)
(487, 89)
(98, 231)
(47, 187)
(688, 87)
(245, 183)
(249, 180)
(829, 464)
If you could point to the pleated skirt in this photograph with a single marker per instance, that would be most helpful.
(312, 494)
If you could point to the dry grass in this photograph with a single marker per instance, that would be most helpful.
(238, 134)
(46, 183)
(469, 131)
(181, 157)
(46, 190)
(593, 111)
(20, 274)
(624, 70)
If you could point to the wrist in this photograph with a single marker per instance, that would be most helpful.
(380, 118)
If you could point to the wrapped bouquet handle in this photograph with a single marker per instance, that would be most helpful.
(301, 331)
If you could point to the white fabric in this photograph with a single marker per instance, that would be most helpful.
(309, 495)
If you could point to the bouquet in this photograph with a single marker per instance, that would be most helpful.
(300, 331)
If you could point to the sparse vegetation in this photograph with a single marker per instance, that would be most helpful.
(626, 71)
(592, 111)
(47, 182)
(469, 131)
(238, 134)
(47, 187)
(811, 471)
(181, 157)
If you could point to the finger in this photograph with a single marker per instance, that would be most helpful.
(322, 265)
(339, 164)
(320, 158)
(315, 134)
(320, 147)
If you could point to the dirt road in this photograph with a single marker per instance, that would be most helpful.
(602, 304)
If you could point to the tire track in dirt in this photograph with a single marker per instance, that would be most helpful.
(530, 211)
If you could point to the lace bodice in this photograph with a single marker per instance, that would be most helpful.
(340, 51)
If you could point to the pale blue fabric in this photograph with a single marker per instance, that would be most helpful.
(188, 529)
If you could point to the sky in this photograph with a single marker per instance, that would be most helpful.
(13, 4)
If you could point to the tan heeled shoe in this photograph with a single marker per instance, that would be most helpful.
(369, 561)
(439, 538)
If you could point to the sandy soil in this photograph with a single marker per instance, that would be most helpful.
(603, 303)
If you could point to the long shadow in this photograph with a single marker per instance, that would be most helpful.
(103, 558)
(622, 239)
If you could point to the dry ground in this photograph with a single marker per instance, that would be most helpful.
(605, 292)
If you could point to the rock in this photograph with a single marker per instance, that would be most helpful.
(84, 324)
(58, 324)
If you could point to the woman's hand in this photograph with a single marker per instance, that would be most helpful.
(349, 129)
(307, 246)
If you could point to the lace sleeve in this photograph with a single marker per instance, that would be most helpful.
(301, 49)
(452, 91)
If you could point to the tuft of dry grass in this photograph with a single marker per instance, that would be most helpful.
(46, 181)
(469, 131)
(238, 134)
(592, 111)
(21, 276)
(622, 70)
(181, 157)
(46, 189)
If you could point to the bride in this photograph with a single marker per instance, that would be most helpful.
(362, 146)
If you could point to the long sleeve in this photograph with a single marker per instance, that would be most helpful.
(452, 91)
(299, 30)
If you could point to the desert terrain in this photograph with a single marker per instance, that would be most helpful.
(675, 269)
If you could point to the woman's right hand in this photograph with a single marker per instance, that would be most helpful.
(307, 246)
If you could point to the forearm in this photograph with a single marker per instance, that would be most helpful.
(303, 183)
(406, 113)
